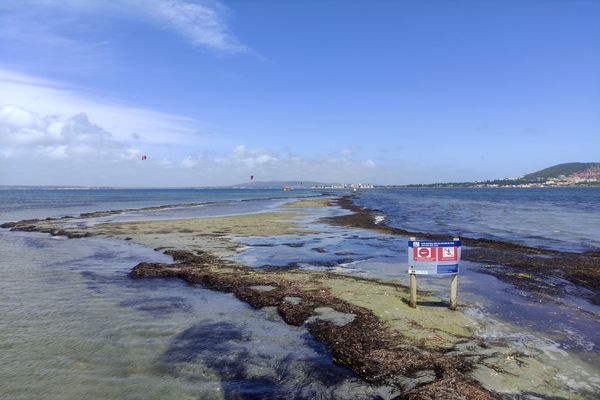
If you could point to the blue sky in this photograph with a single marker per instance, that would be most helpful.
(377, 91)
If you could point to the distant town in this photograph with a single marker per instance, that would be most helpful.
(344, 186)
(561, 175)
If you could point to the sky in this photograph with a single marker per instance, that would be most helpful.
(387, 92)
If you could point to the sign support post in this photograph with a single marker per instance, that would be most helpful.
(453, 287)
(413, 285)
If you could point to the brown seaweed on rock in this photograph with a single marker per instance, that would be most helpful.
(365, 344)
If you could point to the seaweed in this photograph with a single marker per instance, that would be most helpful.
(581, 269)
(366, 345)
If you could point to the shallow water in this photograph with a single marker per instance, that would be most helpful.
(36, 203)
(75, 326)
(559, 341)
(212, 209)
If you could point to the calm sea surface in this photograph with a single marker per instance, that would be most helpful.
(73, 325)
(24, 204)
(560, 218)
(565, 219)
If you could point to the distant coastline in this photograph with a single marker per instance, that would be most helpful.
(490, 184)
(561, 175)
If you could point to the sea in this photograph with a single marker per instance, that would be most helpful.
(73, 325)
(566, 219)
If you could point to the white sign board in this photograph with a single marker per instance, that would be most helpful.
(433, 257)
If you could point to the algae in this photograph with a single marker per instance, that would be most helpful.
(308, 203)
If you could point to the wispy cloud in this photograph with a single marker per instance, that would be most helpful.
(202, 24)
(369, 164)
(70, 27)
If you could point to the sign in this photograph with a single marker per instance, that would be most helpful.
(433, 257)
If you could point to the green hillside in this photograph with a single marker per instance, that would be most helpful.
(560, 169)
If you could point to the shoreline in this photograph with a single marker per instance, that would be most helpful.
(417, 352)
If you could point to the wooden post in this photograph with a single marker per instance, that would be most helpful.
(413, 291)
(453, 287)
(413, 285)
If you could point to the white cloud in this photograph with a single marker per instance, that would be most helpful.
(249, 157)
(23, 132)
(62, 26)
(369, 164)
(85, 154)
(56, 152)
(131, 154)
(242, 161)
(264, 158)
(44, 121)
(14, 117)
(124, 121)
(201, 23)
(239, 151)
(189, 162)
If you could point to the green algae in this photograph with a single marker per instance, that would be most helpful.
(308, 203)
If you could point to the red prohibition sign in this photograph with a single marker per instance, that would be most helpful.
(424, 252)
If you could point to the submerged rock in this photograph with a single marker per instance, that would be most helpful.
(292, 300)
(262, 288)
(330, 315)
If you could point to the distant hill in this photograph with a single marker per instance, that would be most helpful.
(558, 170)
(567, 174)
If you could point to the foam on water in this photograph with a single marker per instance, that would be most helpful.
(540, 363)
